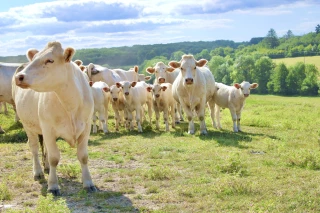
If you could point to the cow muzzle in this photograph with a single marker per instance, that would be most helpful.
(161, 80)
(115, 99)
(246, 95)
(126, 93)
(157, 95)
(189, 80)
(20, 81)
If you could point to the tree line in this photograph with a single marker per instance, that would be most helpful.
(229, 61)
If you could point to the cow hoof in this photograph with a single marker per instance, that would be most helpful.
(191, 132)
(91, 189)
(38, 177)
(55, 192)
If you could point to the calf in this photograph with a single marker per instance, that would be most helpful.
(232, 97)
(163, 101)
(135, 96)
(193, 88)
(99, 73)
(118, 104)
(53, 99)
(101, 97)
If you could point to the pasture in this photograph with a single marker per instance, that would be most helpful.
(292, 61)
(273, 166)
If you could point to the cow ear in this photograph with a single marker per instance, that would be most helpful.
(147, 78)
(30, 53)
(68, 54)
(106, 89)
(82, 68)
(133, 83)
(170, 69)
(201, 62)
(164, 88)
(150, 70)
(236, 85)
(118, 84)
(90, 83)
(78, 62)
(174, 64)
(254, 85)
(149, 89)
(136, 69)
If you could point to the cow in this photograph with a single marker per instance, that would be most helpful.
(101, 97)
(135, 96)
(130, 75)
(163, 101)
(233, 98)
(166, 74)
(100, 73)
(6, 72)
(142, 77)
(193, 88)
(53, 99)
(118, 105)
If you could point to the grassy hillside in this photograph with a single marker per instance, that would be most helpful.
(308, 60)
(273, 166)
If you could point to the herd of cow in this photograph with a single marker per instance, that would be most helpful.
(54, 96)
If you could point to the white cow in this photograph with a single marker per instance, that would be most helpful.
(232, 97)
(99, 73)
(142, 77)
(163, 101)
(130, 75)
(118, 105)
(194, 86)
(135, 96)
(54, 99)
(6, 72)
(165, 74)
(101, 97)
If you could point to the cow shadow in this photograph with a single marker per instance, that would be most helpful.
(14, 134)
(78, 199)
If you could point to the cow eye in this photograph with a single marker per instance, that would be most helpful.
(181, 68)
(195, 67)
(49, 61)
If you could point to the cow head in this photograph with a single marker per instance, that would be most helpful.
(160, 70)
(126, 86)
(245, 88)
(115, 92)
(157, 89)
(47, 70)
(188, 66)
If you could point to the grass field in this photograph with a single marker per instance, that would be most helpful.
(308, 60)
(273, 166)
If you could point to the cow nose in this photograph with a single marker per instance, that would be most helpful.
(20, 78)
(246, 95)
(189, 80)
(162, 80)
(115, 99)
(126, 93)
(157, 95)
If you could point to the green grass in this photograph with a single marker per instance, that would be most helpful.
(272, 166)
(292, 61)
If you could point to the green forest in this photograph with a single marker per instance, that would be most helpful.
(229, 61)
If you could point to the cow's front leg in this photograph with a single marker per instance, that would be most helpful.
(234, 119)
(201, 116)
(189, 114)
(34, 147)
(238, 121)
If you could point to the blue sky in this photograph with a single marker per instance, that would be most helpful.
(112, 23)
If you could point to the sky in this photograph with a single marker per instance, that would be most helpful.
(81, 24)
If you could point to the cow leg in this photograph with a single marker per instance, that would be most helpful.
(211, 106)
(106, 116)
(189, 113)
(94, 119)
(33, 142)
(156, 110)
(16, 118)
(54, 157)
(234, 119)
(138, 118)
(217, 115)
(102, 120)
(238, 121)
(45, 161)
(165, 118)
(172, 114)
(150, 112)
(117, 119)
(82, 154)
(201, 116)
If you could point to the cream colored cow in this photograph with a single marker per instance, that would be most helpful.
(101, 97)
(193, 88)
(163, 101)
(54, 99)
(100, 73)
(130, 75)
(233, 98)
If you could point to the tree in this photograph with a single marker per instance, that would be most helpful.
(288, 35)
(295, 77)
(278, 83)
(204, 54)
(310, 85)
(176, 56)
(271, 40)
(318, 29)
(261, 73)
(243, 68)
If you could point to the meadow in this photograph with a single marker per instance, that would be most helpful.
(272, 166)
(307, 60)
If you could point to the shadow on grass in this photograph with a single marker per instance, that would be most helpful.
(14, 134)
(79, 199)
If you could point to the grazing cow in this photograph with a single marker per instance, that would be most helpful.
(135, 96)
(99, 73)
(118, 104)
(6, 72)
(101, 97)
(232, 97)
(165, 74)
(163, 101)
(194, 86)
(54, 99)
(2, 131)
